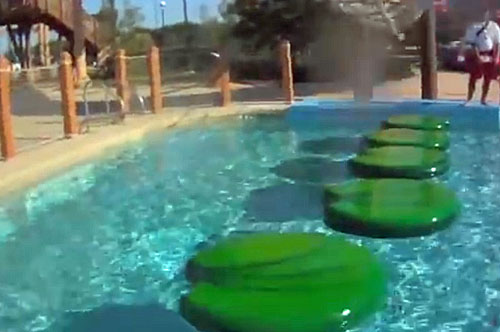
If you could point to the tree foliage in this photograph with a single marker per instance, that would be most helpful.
(136, 42)
(209, 34)
(107, 18)
(131, 38)
(263, 23)
(131, 17)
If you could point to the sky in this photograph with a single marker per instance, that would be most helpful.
(173, 10)
(151, 10)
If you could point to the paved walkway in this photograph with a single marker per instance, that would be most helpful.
(37, 117)
(451, 85)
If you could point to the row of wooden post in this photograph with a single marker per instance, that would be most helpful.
(68, 98)
(6, 130)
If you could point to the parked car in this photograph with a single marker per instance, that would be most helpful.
(448, 56)
(16, 66)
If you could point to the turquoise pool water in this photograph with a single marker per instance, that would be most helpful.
(120, 230)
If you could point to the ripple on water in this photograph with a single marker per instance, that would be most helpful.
(120, 230)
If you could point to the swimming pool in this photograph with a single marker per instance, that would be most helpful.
(120, 230)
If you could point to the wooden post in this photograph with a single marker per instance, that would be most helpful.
(6, 131)
(428, 54)
(286, 71)
(122, 81)
(68, 96)
(155, 79)
(225, 86)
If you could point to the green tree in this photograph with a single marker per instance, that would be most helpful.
(107, 18)
(262, 23)
(132, 39)
(136, 43)
(131, 17)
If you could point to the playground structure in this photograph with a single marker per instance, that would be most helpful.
(66, 17)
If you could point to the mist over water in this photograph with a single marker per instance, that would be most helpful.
(353, 51)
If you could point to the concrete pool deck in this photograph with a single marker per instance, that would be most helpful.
(37, 120)
(31, 167)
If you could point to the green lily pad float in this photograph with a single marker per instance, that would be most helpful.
(240, 252)
(331, 287)
(409, 137)
(414, 121)
(390, 208)
(400, 162)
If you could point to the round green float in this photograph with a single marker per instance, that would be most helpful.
(390, 208)
(329, 287)
(414, 121)
(240, 252)
(400, 162)
(432, 139)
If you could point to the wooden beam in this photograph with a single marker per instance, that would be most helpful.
(79, 41)
(122, 84)
(7, 147)
(155, 79)
(428, 47)
(68, 101)
(286, 71)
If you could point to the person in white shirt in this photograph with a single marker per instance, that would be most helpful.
(482, 58)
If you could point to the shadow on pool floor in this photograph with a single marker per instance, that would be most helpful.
(129, 318)
(315, 170)
(285, 202)
(333, 145)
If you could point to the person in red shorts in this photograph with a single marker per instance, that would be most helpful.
(482, 58)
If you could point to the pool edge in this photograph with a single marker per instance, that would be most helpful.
(32, 167)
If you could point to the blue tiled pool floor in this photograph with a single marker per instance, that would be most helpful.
(119, 231)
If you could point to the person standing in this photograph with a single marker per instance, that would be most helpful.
(482, 56)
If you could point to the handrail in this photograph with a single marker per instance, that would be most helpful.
(135, 91)
(107, 92)
(107, 89)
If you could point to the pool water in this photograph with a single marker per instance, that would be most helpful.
(120, 230)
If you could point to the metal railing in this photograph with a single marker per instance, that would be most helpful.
(115, 117)
(140, 98)
(110, 95)
(133, 88)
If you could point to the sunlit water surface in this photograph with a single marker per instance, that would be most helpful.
(120, 230)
